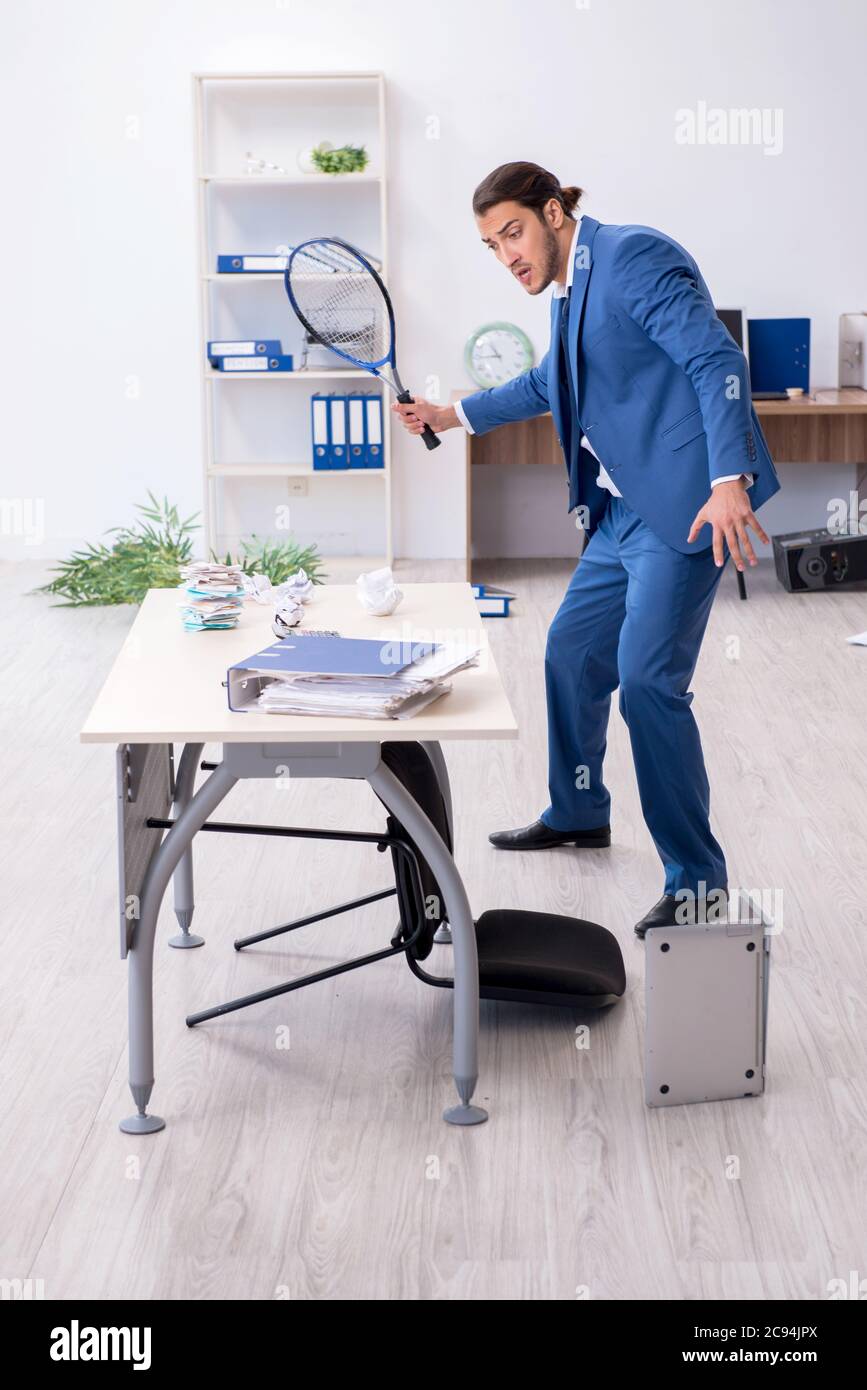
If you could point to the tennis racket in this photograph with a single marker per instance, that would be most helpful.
(344, 305)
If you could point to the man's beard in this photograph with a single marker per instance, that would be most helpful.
(552, 259)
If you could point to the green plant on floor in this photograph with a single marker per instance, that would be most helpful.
(146, 555)
(150, 553)
(348, 159)
(277, 559)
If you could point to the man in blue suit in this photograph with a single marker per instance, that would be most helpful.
(667, 463)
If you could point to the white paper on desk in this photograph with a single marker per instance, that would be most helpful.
(449, 658)
(394, 698)
(860, 639)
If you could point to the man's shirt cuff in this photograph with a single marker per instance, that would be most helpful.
(461, 414)
(733, 477)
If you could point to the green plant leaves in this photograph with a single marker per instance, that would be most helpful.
(349, 159)
(149, 555)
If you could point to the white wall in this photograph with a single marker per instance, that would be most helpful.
(98, 229)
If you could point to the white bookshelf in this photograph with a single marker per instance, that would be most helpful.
(256, 448)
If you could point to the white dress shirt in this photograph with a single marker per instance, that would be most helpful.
(602, 478)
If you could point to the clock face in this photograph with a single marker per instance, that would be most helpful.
(497, 353)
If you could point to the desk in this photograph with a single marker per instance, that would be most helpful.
(828, 426)
(166, 687)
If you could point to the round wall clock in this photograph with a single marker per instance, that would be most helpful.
(497, 352)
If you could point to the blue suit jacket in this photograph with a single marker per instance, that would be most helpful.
(663, 390)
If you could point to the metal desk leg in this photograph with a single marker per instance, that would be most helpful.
(140, 960)
(183, 878)
(434, 751)
(466, 960)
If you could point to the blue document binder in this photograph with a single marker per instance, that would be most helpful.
(492, 602)
(779, 353)
(244, 347)
(320, 431)
(373, 417)
(240, 264)
(352, 657)
(338, 420)
(356, 430)
(247, 362)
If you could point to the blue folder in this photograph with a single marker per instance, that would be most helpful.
(779, 353)
(373, 427)
(320, 656)
(492, 602)
(255, 263)
(247, 362)
(244, 347)
(356, 429)
(320, 432)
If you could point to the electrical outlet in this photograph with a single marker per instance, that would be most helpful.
(297, 487)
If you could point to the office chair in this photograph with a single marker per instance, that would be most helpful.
(524, 956)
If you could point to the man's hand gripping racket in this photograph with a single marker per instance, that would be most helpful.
(342, 303)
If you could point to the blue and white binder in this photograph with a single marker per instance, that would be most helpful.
(373, 407)
(492, 602)
(250, 265)
(244, 347)
(283, 362)
(339, 450)
(334, 657)
(320, 431)
(356, 430)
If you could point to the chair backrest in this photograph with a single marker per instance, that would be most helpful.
(414, 770)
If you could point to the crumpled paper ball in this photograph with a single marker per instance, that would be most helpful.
(299, 586)
(288, 614)
(377, 592)
(257, 586)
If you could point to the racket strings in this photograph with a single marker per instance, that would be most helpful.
(341, 302)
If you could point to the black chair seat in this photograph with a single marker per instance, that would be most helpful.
(538, 957)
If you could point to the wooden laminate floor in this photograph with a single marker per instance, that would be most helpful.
(322, 1169)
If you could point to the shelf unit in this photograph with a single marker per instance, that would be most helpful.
(253, 439)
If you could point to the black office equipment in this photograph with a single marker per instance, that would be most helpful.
(734, 322)
(527, 957)
(819, 560)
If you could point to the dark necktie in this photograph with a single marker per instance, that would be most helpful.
(568, 395)
(565, 380)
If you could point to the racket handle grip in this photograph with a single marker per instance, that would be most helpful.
(432, 441)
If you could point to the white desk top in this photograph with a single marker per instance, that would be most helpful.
(166, 684)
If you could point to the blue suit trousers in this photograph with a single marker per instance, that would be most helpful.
(634, 616)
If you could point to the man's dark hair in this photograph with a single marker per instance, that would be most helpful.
(524, 183)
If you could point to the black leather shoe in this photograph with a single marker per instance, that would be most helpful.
(540, 836)
(674, 912)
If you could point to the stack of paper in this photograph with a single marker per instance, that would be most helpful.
(354, 678)
(214, 595)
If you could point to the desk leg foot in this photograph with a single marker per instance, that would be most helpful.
(465, 1114)
(184, 939)
(142, 1123)
(443, 935)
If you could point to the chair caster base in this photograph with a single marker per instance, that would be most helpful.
(465, 1115)
(142, 1124)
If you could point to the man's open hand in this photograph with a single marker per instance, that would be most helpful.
(728, 511)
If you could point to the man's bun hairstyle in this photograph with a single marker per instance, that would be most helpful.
(524, 183)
